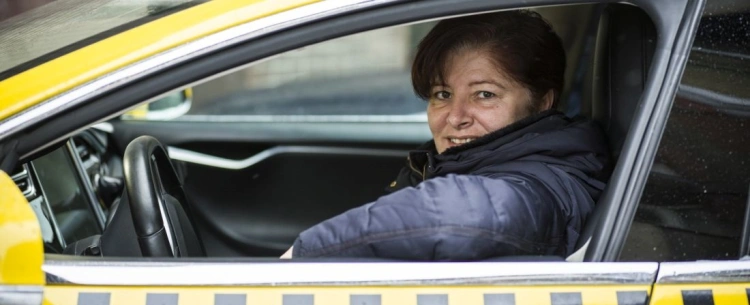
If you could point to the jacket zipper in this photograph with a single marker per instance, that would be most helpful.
(422, 173)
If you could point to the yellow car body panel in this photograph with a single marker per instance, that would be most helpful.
(21, 248)
(47, 80)
(344, 295)
(720, 294)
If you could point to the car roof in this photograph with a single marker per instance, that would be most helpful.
(44, 31)
(48, 79)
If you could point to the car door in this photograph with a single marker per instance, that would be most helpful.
(693, 215)
(245, 280)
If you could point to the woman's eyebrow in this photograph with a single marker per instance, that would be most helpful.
(491, 82)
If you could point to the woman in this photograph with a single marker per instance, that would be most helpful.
(505, 173)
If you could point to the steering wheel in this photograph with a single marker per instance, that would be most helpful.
(153, 187)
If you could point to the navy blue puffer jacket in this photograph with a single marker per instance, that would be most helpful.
(523, 190)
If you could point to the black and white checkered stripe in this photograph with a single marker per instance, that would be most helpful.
(556, 298)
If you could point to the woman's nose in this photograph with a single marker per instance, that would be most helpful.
(459, 116)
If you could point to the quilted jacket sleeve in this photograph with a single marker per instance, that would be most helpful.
(456, 217)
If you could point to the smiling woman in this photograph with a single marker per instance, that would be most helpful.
(475, 99)
(491, 72)
(505, 173)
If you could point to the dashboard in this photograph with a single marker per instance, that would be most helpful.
(71, 188)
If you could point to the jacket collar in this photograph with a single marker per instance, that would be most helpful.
(425, 157)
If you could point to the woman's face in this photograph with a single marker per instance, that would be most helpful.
(476, 98)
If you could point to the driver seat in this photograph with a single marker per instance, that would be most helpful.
(617, 75)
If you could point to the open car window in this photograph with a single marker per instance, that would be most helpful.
(243, 134)
(362, 77)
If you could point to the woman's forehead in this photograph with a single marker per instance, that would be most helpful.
(471, 67)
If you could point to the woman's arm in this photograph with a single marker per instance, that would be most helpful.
(457, 217)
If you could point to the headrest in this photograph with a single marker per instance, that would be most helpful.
(622, 58)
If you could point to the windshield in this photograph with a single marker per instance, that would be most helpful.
(35, 31)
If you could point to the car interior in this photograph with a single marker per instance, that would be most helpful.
(291, 175)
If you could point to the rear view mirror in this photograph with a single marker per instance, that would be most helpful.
(168, 107)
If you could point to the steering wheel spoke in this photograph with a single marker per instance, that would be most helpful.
(153, 187)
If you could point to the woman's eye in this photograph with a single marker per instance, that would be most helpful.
(442, 95)
(485, 94)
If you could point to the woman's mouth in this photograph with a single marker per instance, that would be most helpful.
(460, 141)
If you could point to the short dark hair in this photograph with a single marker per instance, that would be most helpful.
(520, 42)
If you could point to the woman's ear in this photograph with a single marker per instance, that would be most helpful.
(547, 101)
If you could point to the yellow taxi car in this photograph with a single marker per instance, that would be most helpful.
(255, 109)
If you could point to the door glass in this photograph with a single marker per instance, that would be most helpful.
(694, 202)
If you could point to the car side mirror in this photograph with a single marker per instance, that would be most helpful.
(166, 108)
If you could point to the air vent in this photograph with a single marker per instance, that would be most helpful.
(24, 182)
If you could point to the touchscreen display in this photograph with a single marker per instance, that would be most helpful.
(62, 187)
